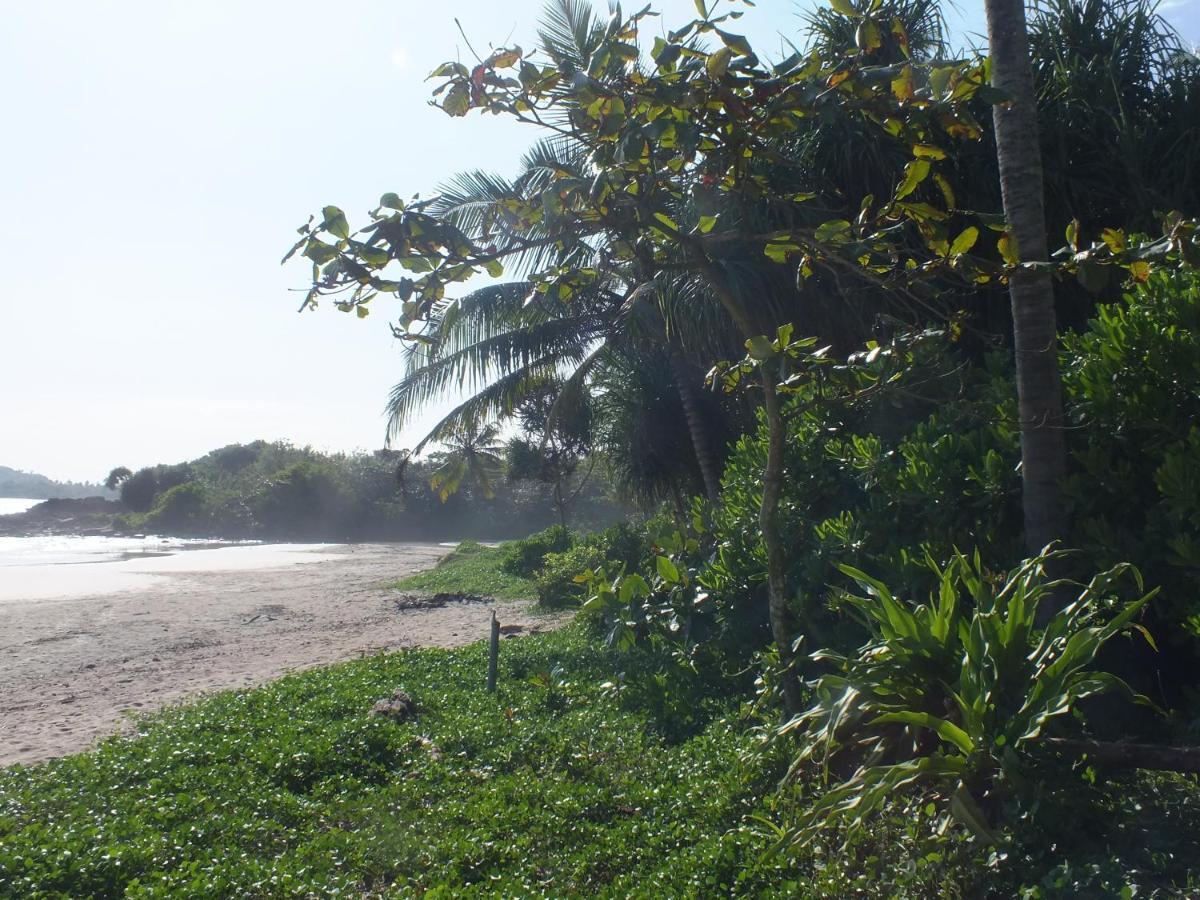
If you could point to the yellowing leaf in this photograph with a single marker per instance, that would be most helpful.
(901, 35)
(1140, 270)
(1007, 245)
(1072, 234)
(928, 151)
(706, 224)
(867, 36)
(845, 7)
(902, 85)
(1114, 238)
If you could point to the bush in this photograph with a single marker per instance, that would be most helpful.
(306, 499)
(555, 580)
(526, 556)
(924, 466)
(950, 695)
(183, 509)
(1133, 384)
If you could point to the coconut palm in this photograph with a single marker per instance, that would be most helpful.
(472, 454)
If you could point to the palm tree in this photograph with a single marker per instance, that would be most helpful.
(1035, 334)
(472, 454)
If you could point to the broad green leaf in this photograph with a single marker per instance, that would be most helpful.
(834, 230)
(845, 7)
(914, 173)
(706, 224)
(901, 35)
(335, 222)
(718, 63)
(458, 99)
(965, 241)
(667, 570)
(392, 201)
(494, 268)
(760, 347)
(735, 42)
(779, 251)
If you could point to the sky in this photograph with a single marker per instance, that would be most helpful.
(157, 158)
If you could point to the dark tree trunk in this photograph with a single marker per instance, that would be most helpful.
(1035, 336)
(710, 469)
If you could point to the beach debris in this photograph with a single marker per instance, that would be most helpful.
(437, 601)
(399, 707)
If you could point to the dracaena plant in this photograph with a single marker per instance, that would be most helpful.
(950, 696)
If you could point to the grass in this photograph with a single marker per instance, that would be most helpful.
(549, 787)
(559, 785)
(470, 568)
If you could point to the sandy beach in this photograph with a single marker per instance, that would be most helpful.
(121, 638)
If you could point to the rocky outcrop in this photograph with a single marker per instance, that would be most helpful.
(86, 516)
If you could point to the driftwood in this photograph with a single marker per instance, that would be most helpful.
(1122, 755)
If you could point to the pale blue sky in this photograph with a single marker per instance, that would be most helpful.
(158, 155)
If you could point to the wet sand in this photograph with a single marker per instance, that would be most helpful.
(155, 631)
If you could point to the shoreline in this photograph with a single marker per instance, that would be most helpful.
(77, 667)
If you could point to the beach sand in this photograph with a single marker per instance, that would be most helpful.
(129, 637)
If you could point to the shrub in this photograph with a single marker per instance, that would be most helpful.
(304, 499)
(555, 580)
(183, 509)
(526, 556)
(1133, 383)
(952, 694)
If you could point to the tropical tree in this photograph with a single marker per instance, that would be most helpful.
(684, 175)
(117, 477)
(1035, 331)
(472, 454)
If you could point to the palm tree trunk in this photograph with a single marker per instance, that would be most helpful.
(1035, 336)
(709, 469)
(768, 523)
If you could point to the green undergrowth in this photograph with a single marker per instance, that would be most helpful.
(557, 786)
(548, 788)
(471, 568)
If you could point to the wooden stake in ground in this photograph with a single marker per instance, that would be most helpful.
(493, 654)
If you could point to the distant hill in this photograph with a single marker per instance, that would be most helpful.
(15, 483)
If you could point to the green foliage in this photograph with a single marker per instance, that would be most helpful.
(918, 457)
(295, 790)
(472, 568)
(183, 509)
(1133, 382)
(951, 695)
(139, 489)
(556, 579)
(305, 499)
(524, 557)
